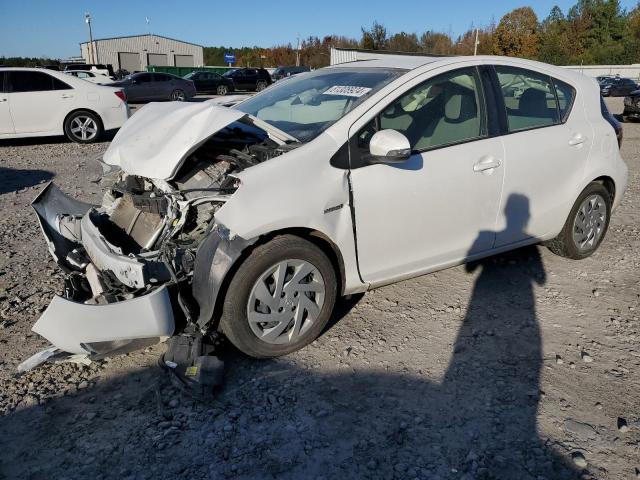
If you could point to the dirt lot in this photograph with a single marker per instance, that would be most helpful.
(524, 366)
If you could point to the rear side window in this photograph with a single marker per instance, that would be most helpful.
(35, 82)
(529, 98)
(566, 95)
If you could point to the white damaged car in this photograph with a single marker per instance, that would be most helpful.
(253, 220)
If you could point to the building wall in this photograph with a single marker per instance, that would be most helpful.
(107, 50)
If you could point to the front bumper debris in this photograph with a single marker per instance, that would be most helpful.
(102, 325)
(107, 329)
(59, 218)
(134, 272)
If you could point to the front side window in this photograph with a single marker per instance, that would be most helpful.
(444, 110)
(529, 98)
(305, 106)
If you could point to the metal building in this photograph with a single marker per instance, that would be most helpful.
(137, 52)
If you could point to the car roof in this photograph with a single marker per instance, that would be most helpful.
(407, 62)
(413, 62)
(70, 79)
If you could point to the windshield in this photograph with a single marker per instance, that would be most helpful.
(305, 105)
(190, 75)
(229, 73)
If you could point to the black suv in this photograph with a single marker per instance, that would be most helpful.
(617, 87)
(210, 82)
(283, 72)
(256, 79)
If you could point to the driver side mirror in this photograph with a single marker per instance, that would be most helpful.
(389, 146)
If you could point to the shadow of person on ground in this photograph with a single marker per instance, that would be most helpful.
(12, 180)
(493, 379)
(289, 419)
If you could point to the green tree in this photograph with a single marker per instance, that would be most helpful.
(436, 43)
(554, 38)
(404, 42)
(374, 38)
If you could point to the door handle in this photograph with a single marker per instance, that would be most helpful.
(66, 95)
(3, 99)
(487, 164)
(577, 139)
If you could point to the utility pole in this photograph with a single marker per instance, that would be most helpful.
(92, 56)
(298, 52)
(475, 45)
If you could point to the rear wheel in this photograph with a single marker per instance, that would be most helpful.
(222, 90)
(83, 127)
(261, 85)
(280, 298)
(177, 96)
(587, 224)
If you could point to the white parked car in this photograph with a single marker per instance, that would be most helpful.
(253, 220)
(90, 76)
(35, 102)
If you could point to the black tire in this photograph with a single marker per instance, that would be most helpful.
(93, 130)
(564, 245)
(234, 322)
(222, 90)
(261, 85)
(178, 96)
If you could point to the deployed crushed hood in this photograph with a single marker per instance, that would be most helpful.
(156, 140)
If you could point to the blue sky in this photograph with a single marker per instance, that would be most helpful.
(53, 28)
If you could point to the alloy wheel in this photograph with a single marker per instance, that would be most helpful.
(590, 222)
(84, 127)
(285, 301)
(178, 96)
(222, 90)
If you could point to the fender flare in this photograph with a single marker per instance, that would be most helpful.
(215, 257)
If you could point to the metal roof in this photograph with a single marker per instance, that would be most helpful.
(392, 61)
(142, 35)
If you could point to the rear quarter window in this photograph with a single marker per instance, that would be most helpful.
(566, 96)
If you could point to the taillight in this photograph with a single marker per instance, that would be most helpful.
(121, 95)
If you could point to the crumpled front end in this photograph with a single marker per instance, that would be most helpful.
(98, 314)
(130, 262)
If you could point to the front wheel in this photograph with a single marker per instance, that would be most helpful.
(261, 86)
(178, 96)
(280, 298)
(586, 226)
(222, 90)
(83, 127)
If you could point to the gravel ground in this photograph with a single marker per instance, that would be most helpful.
(523, 366)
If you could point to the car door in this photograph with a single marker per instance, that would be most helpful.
(630, 86)
(140, 87)
(38, 101)
(199, 79)
(440, 206)
(6, 123)
(162, 86)
(549, 139)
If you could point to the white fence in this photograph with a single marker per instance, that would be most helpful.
(343, 55)
(630, 71)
